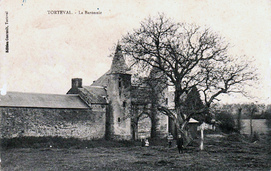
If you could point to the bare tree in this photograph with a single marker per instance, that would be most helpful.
(188, 56)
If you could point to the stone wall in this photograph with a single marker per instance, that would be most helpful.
(77, 123)
(162, 125)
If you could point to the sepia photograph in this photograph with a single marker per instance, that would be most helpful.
(135, 85)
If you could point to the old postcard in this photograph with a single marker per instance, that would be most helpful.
(129, 85)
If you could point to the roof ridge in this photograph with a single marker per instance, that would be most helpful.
(96, 86)
(20, 99)
(35, 93)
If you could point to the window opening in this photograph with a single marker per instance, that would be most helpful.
(119, 82)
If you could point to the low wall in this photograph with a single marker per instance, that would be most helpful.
(77, 123)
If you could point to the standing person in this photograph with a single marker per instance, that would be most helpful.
(170, 139)
(142, 143)
(180, 143)
(147, 144)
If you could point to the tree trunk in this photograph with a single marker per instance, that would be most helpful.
(181, 122)
(239, 120)
(251, 125)
(185, 134)
(153, 128)
(134, 131)
(153, 116)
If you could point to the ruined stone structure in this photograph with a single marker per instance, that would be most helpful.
(105, 109)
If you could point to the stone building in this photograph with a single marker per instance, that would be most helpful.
(107, 108)
(111, 107)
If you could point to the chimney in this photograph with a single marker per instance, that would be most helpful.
(77, 83)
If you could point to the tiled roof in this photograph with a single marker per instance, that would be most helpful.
(18, 99)
(93, 94)
(102, 81)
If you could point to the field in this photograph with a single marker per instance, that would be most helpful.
(259, 125)
(220, 153)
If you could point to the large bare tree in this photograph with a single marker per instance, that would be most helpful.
(188, 56)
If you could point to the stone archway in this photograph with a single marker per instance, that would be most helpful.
(144, 126)
(141, 122)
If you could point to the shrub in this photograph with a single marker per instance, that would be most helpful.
(226, 122)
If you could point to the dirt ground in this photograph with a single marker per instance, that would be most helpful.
(220, 153)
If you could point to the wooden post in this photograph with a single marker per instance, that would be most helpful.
(201, 138)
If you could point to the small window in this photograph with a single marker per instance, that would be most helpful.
(166, 101)
(118, 119)
(124, 104)
(119, 82)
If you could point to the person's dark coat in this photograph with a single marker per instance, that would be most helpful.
(180, 144)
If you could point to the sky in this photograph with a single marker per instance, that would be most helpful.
(47, 50)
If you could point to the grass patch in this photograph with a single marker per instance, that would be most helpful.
(236, 155)
(60, 142)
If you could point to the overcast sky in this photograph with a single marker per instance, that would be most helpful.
(47, 50)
